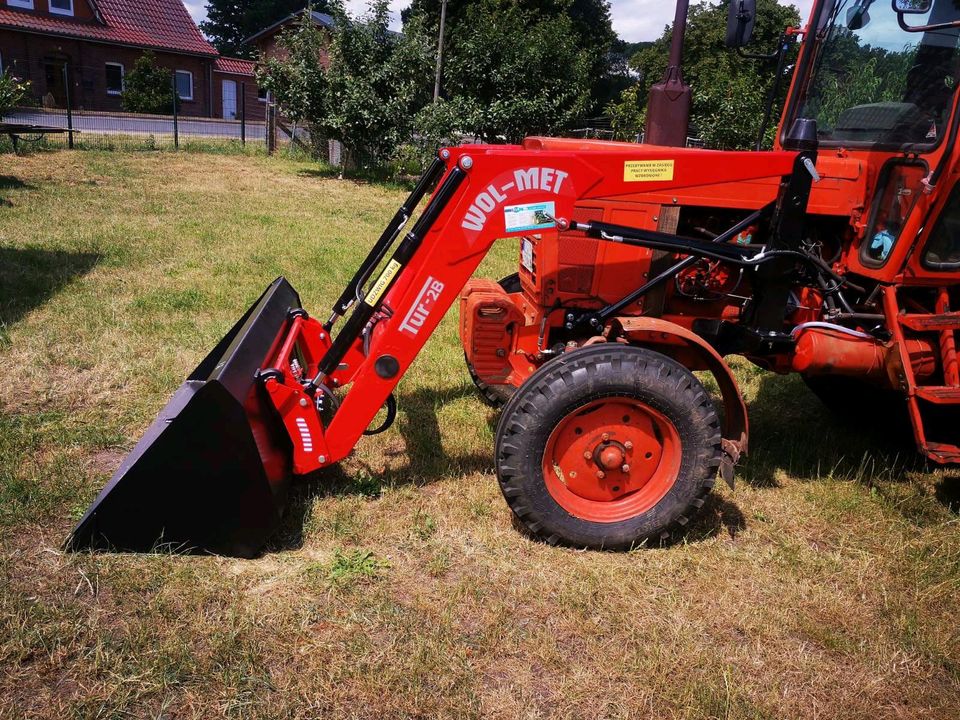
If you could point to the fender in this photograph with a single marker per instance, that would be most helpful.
(669, 338)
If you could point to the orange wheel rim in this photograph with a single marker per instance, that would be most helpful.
(611, 460)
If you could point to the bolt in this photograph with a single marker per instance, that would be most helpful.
(501, 352)
(601, 474)
(628, 445)
(625, 468)
(573, 474)
(303, 402)
(466, 162)
(445, 154)
(587, 455)
(605, 436)
(323, 336)
(322, 459)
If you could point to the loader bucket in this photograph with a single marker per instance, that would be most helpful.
(212, 471)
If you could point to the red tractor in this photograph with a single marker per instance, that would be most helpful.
(836, 255)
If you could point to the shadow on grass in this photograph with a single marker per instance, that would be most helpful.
(428, 462)
(362, 176)
(10, 182)
(792, 432)
(29, 277)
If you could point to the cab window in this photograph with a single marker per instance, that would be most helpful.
(899, 186)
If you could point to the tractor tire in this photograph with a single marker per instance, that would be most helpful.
(495, 395)
(608, 447)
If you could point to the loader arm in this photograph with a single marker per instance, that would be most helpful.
(486, 193)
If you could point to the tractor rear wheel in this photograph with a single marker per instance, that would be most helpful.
(607, 447)
(496, 395)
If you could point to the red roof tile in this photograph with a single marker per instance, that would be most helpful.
(160, 24)
(234, 66)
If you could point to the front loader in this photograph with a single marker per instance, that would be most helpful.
(836, 255)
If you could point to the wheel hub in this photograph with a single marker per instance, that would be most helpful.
(611, 456)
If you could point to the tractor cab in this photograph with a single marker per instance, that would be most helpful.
(880, 81)
(880, 78)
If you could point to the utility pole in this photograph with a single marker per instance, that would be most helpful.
(443, 21)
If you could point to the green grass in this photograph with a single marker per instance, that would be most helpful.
(826, 585)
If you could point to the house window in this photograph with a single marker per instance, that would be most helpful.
(27, 4)
(262, 94)
(61, 7)
(185, 84)
(114, 78)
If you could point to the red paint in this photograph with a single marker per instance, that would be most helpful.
(611, 460)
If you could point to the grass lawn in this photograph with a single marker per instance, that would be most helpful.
(826, 586)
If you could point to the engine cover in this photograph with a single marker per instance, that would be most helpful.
(488, 322)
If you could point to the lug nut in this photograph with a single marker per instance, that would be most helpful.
(625, 468)
(303, 402)
(606, 436)
(601, 474)
(587, 455)
(573, 474)
(628, 445)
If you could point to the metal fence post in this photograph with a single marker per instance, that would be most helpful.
(176, 129)
(243, 114)
(271, 125)
(66, 86)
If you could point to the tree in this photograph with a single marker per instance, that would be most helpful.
(298, 81)
(512, 71)
(729, 91)
(148, 88)
(230, 22)
(361, 86)
(589, 25)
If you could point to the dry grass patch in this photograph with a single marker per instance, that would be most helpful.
(825, 586)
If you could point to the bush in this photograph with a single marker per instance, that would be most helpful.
(12, 92)
(148, 88)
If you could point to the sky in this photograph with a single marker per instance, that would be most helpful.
(633, 20)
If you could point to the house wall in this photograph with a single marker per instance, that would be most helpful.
(81, 10)
(26, 56)
(255, 108)
(268, 46)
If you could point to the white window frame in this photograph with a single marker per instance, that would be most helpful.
(123, 78)
(25, 4)
(190, 74)
(59, 11)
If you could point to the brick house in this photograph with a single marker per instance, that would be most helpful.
(91, 44)
(265, 41)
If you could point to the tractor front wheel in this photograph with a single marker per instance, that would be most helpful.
(607, 447)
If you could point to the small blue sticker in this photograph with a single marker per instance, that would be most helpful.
(534, 216)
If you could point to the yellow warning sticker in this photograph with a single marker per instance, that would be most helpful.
(380, 286)
(647, 170)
